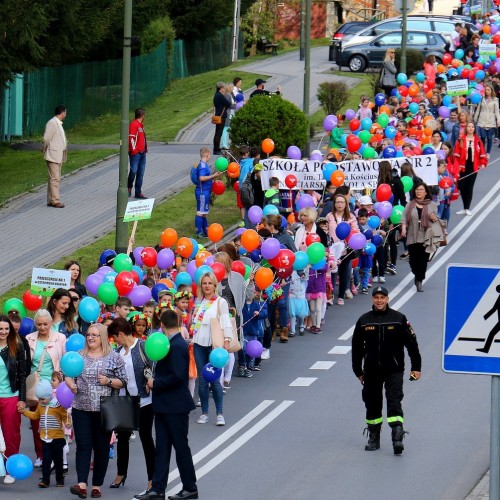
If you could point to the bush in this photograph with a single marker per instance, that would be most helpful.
(155, 32)
(273, 117)
(414, 61)
(332, 96)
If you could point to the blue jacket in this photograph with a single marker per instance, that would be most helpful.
(246, 167)
(252, 325)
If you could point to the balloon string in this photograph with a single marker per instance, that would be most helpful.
(321, 140)
(468, 175)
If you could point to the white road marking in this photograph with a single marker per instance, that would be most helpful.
(340, 349)
(322, 365)
(238, 443)
(303, 381)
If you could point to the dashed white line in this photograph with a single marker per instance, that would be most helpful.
(340, 349)
(303, 381)
(322, 365)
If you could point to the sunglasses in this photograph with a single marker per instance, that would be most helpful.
(75, 299)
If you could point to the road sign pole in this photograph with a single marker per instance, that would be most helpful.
(495, 439)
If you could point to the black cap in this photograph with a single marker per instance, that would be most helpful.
(380, 289)
(259, 81)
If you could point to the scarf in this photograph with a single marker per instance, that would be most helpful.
(424, 220)
(200, 309)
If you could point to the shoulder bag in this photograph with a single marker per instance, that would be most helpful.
(33, 379)
(217, 119)
(217, 334)
(148, 370)
(120, 413)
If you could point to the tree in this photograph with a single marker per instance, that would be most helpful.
(270, 116)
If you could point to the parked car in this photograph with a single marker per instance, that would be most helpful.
(359, 56)
(425, 23)
(347, 30)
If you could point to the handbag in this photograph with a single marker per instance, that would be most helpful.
(217, 334)
(32, 380)
(217, 119)
(120, 413)
(148, 370)
(444, 241)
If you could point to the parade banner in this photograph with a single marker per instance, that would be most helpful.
(457, 87)
(46, 281)
(139, 210)
(487, 50)
(358, 173)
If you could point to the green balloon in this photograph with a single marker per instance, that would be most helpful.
(221, 164)
(157, 346)
(369, 153)
(15, 305)
(383, 120)
(248, 271)
(407, 183)
(315, 251)
(107, 293)
(122, 262)
(397, 213)
(365, 136)
(264, 263)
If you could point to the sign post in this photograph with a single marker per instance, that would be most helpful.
(136, 211)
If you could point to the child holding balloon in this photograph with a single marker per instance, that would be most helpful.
(55, 381)
(298, 306)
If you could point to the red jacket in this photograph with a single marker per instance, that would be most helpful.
(452, 166)
(480, 158)
(137, 142)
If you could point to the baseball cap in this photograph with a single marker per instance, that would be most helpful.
(259, 81)
(380, 289)
(366, 200)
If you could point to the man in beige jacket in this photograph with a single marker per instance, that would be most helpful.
(55, 154)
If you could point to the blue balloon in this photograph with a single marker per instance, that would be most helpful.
(343, 140)
(394, 92)
(459, 54)
(368, 234)
(219, 357)
(420, 77)
(158, 287)
(428, 150)
(319, 265)
(270, 210)
(447, 100)
(408, 84)
(444, 135)
(379, 99)
(343, 230)
(75, 342)
(399, 154)
(374, 221)
(402, 78)
(284, 222)
(210, 373)
(184, 278)
(366, 123)
(328, 170)
(255, 255)
(239, 97)
(389, 152)
(480, 75)
(110, 277)
(139, 272)
(19, 466)
(390, 132)
(452, 72)
(106, 257)
(377, 240)
(72, 364)
(27, 326)
(301, 261)
(199, 273)
(195, 247)
(89, 309)
(413, 107)
(242, 251)
(369, 248)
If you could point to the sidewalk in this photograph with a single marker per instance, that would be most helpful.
(42, 235)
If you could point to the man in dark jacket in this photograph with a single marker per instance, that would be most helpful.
(172, 403)
(220, 109)
(378, 343)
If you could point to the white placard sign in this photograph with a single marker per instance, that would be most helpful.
(457, 87)
(46, 281)
(358, 173)
(139, 210)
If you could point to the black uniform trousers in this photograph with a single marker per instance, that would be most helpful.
(419, 259)
(373, 397)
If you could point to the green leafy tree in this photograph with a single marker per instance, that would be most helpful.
(270, 116)
(332, 96)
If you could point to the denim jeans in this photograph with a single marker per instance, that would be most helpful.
(365, 276)
(201, 357)
(280, 305)
(486, 136)
(136, 173)
(444, 212)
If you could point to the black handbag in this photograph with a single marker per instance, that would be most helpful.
(120, 413)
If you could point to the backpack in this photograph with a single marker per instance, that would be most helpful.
(246, 192)
(195, 176)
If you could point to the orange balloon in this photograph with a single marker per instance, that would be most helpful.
(268, 146)
(440, 68)
(337, 178)
(425, 139)
(233, 170)
(167, 282)
(429, 94)
(168, 237)
(487, 29)
(374, 128)
(385, 109)
(184, 247)
(413, 90)
(264, 277)
(427, 132)
(426, 120)
(215, 232)
(250, 240)
(291, 219)
(201, 256)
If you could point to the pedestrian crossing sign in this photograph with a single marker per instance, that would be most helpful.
(471, 340)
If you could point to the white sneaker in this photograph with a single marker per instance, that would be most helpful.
(132, 436)
(8, 479)
(468, 212)
(348, 294)
(266, 354)
(462, 212)
(203, 419)
(375, 279)
(381, 279)
(220, 420)
(38, 462)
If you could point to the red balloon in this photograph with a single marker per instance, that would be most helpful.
(355, 263)
(408, 152)
(218, 187)
(447, 58)
(354, 124)
(32, 302)
(492, 69)
(384, 192)
(238, 267)
(284, 272)
(465, 73)
(455, 195)
(148, 256)
(290, 181)
(285, 258)
(219, 270)
(236, 186)
(312, 238)
(417, 151)
(353, 143)
(403, 90)
(136, 277)
(124, 282)
(445, 183)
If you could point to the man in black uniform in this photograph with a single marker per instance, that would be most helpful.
(378, 343)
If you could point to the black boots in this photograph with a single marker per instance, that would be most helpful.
(373, 437)
(397, 439)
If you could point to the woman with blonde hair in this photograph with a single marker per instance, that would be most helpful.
(487, 117)
(389, 71)
(307, 218)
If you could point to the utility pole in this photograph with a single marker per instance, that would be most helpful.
(307, 63)
(302, 28)
(403, 36)
(236, 29)
(121, 238)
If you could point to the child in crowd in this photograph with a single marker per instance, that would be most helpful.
(148, 309)
(316, 295)
(364, 110)
(141, 325)
(298, 307)
(55, 380)
(272, 196)
(52, 416)
(365, 261)
(444, 195)
(123, 305)
(253, 311)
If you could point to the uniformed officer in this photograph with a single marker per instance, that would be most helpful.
(378, 343)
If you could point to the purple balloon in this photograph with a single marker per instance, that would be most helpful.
(293, 152)
(64, 395)
(441, 154)
(191, 268)
(270, 248)
(306, 200)
(165, 258)
(384, 210)
(139, 295)
(102, 271)
(349, 115)
(357, 241)
(93, 281)
(253, 349)
(444, 112)
(255, 214)
(239, 105)
(494, 29)
(240, 231)
(137, 256)
(316, 155)
(330, 122)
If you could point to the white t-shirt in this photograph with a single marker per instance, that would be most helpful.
(131, 382)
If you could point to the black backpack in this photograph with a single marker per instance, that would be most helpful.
(246, 191)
